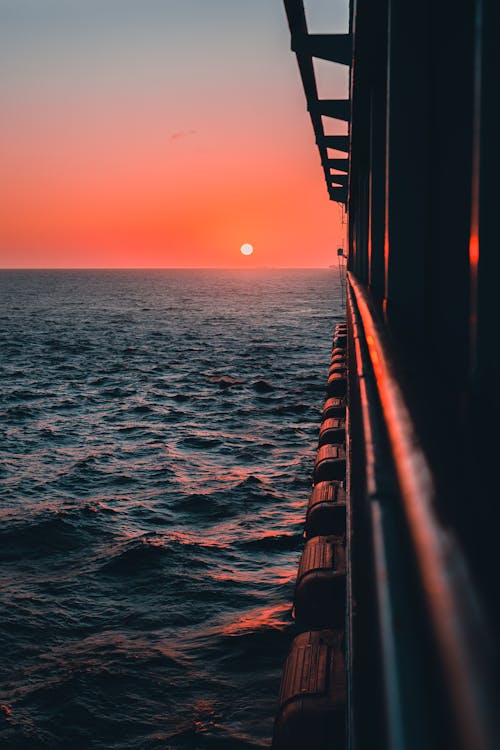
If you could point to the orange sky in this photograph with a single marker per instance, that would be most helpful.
(135, 136)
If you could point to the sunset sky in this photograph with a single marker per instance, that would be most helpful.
(160, 133)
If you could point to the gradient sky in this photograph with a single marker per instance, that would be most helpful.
(161, 133)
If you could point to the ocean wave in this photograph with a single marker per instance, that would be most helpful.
(200, 441)
(157, 450)
(17, 413)
(206, 505)
(225, 381)
(45, 535)
(263, 386)
(153, 550)
(270, 541)
(142, 409)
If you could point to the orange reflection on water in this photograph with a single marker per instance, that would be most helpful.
(184, 537)
(238, 474)
(276, 618)
(275, 575)
(204, 714)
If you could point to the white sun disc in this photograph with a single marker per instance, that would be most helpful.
(246, 249)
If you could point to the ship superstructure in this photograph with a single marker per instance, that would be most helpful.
(411, 639)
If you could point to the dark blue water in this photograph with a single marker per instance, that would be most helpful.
(157, 435)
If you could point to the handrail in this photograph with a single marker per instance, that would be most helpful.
(454, 613)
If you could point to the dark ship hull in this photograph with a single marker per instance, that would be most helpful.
(400, 652)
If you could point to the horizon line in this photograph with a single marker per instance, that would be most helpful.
(163, 268)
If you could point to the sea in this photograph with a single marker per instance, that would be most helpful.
(157, 437)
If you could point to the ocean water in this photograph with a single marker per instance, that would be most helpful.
(157, 437)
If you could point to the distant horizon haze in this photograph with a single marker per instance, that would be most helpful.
(166, 268)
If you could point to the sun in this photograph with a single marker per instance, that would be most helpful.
(246, 249)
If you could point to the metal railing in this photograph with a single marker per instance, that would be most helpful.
(459, 633)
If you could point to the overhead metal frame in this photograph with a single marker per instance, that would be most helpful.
(334, 48)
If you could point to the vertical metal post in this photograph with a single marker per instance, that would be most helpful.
(407, 168)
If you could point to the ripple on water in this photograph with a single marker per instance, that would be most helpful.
(158, 434)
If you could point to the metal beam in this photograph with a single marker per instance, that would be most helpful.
(338, 108)
(338, 142)
(338, 194)
(339, 179)
(333, 47)
(341, 164)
